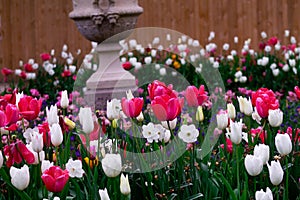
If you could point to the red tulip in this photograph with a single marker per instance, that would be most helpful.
(228, 145)
(166, 108)
(16, 152)
(28, 67)
(12, 114)
(272, 41)
(297, 91)
(66, 73)
(127, 65)
(44, 129)
(157, 88)
(132, 107)
(5, 71)
(55, 178)
(255, 132)
(264, 100)
(29, 107)
(45, 56)
(2, 119)
(194, 96)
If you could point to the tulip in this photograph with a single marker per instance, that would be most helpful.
(56, 135)
(253, 165)
(64, 101)
(245, 106)
(261, 195)
(283, 144)
(37, 142)
(275, 117)
(75, 168)
(140, 118)
(132, 107)
(275, 172)
(166, 108)
(86, 120)
(172, 124)
(297, 91)
(231, 111)
(199, 114)
(46, 165)
(2, 119)
(29, 107)
(112, 165)
(12, 114)
(20, 178)
(157, 88)
(103, 194)
(16, 152)
(194, 96)
(222, 120)
(113, 109)
(1, 159)
(52, 116)
(263, 152)
(71, 125)
(55, 178)
(124, 185)
(235, 133)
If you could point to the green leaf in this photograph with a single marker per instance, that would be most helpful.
(227, 185)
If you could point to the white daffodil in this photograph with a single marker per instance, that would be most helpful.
(75, 168)
(188, 133)
(150, 132)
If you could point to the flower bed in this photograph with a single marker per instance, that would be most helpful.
(186, 134)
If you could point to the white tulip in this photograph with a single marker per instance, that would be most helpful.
(56, 135)
(275, 117)
(20, 178)
(172, 124)
(103, 194)
(46, 165)
(231, 111)
(124, 185)
(275, 72)
(37, 142)
(75, 168)
(256, 116)
(263, 152)
(148, 60)
(253, 165)
(112, 165)
(86, 120)
(113, 109)
(52, 116)
(188, 133)
(261, 195)
(64, 101)
(1, 159)
(275, 172)
(235, 133)
(283, 144)
(263, 35)
(199, 114)
(222, 120)
(245, 105)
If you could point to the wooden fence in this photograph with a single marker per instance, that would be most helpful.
(30, 27)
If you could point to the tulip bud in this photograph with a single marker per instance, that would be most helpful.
(1, 159)
(124, 185)
(275, 117)
(114, 123)
(20, 177)
(71, 125)
(245, 105)
(52, 116)
(64, 101)
(140, 118)
(112, 165)
(253, 165)
(222, 120)
(263, 152)
(199, 114)
(275, 172)
(86, 120)
(37, 142)
(103, 194)
(283, 144)
(261, 195)
(172, 124)
(231, 111)
(56, 135)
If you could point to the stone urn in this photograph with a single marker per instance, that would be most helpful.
(104, 22)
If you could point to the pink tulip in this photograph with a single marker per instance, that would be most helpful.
(12, 114)
(157, 88)
(55, 178)
(297, 91)
(166, 108)
(132, 107)
(2, 119)
(194, 96)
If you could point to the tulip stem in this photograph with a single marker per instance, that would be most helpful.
(238, 170)
(277, 192)
(286, 191)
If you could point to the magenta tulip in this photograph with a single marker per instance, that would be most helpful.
(194, 96)
(132, 107)
(55, 178)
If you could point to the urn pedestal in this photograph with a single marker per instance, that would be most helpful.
(104, 22)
